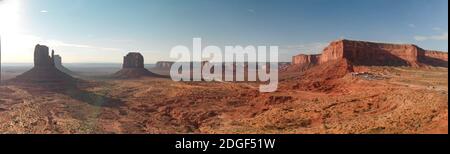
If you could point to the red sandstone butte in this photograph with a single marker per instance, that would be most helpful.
(133, 67)
(44, 72)
(376, 54)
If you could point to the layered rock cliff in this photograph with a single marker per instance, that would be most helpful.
(376, 54)
(305, 59)
(434, 58)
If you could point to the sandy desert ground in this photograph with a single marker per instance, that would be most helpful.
(389, 100)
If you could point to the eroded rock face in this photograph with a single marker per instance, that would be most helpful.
(434, 58)
(41, 57)
(133, 60)
(380, 54)
(436, 54)
(333, 51)
(305, 59)
(58, 64)
(376, 54)
(57, 60)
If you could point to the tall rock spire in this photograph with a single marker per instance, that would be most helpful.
(53, 57)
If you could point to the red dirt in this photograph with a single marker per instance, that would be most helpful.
(311, 99)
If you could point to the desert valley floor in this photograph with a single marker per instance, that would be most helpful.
(389, 100)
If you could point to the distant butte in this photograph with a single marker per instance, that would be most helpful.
(361, 53)
(164, 64)
(133, 67)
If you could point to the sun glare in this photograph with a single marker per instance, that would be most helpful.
(9, 16)
(13, 41)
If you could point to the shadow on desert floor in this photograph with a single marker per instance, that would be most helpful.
(93, 98)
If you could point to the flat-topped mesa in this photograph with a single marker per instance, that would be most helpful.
(133, 60)
(303, 59)
(436, 54)
(164, 64)
(434, 58)
(41, 57)
(380, 54)
(372, 54)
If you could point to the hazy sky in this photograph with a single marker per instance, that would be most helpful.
(105, 30)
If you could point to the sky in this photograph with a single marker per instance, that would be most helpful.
(103, 31)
